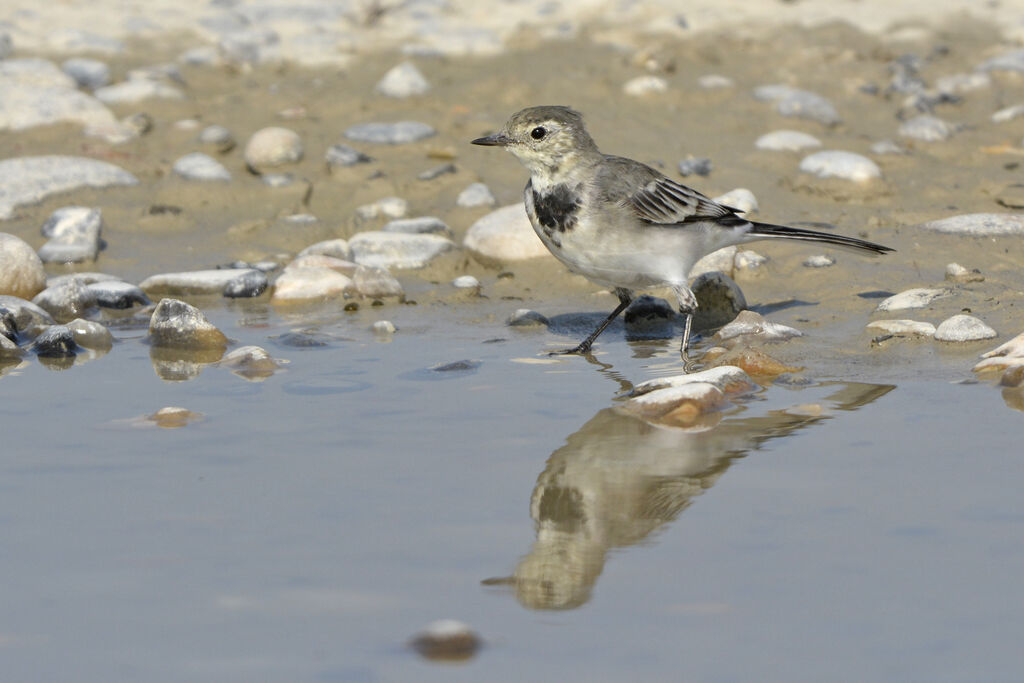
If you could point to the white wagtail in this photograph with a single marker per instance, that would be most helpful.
(621, 223)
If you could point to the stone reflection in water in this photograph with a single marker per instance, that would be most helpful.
(619, 479)
(179, 365)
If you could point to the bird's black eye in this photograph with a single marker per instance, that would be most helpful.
(538, 133)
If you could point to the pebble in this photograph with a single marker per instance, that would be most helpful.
(177, 324)
(376, 283)
(250, 362)
(504, 235)
(200, 281)
(271, 147)
(1011, 196)
(217, 137)
(799, 103)
(786, 141)
(963, 328)
(645, 85)
(749, 325)
(819, 261)
(21, 270)
(67, 40)
(887, 147)
(8, 347)
(957, 84)
(754, 362)
(56, 341)
(66, 301)
(715, 82)
(172, 417)
(437, 171)
(130, 92)
(1009, 61)
(650, 316)
(719, 299)
(339, 265)
(840, 164)
(397, 250)
(926, 128)
(87, 73)
(74, 235)
(1005, 356)
(729, 379)
(8, 326)
(28, 180)
(388, 207)
(399, 133)
(343, 156)
(383, 327)
(199, 166)
(524, 317)
(117, 294)
(957, 273)
(465, 282)
(403, 80)
(277, 179)
(446, 639)
(700, 166)
(337, 248)
(682, 405)
(29, 319)
(918, 297)
(748, 259)
(476, 194)
(1008, 113)
(980, 224)
(37, 93)
(722, 261)
(422, 225)
(741, 199)
(90, 334)
(903, 327)
(250, 283)
(296, 285)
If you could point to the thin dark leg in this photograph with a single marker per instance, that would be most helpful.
(688, 364)
(625, 298)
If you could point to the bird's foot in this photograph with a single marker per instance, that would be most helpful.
(580, 350)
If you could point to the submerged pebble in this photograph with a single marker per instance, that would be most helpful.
(963, 328)
(749, 325)
(90, 334)
(840, 164)
(177, 324)
(446, 639)
(681, 405)
(250, 362)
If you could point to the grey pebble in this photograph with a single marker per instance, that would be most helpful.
(984, 224)
(475, 194)
(887, 147)
(700, 166)
(214, 281)
(398, 133)
(31, 179)
(376, 283)
(73, 40)
(90, 334)
(218, 137)
(1009, 61)
(422, 225)
(650, 316)
(437, 171)
(66, 301)
(396, 249)
(251, 283)
(177, 324)
(525, 317)
(73, 234)
(29, 319)
(963, 328)
(129, 92)
(343, 156)
(117, 294)
(199, 166)
(403, 80)
(87, 73)
(791, 101)
(719, 299)
(926, 128)
(56, 341)
(918, 297)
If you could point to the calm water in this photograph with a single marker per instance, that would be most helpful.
(312, 523)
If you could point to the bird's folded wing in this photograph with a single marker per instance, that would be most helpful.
(666, 202)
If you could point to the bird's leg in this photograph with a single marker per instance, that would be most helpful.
(625, 298)
(687, 305)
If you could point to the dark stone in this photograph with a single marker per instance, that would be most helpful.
(250, 284)
(695, 166)
(56, 341)
(118, 295)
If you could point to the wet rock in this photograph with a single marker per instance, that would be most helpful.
(130, 92)
(819, 261)
(66, 301)
(91, 335)
(87, 73)
(403, 80)
(957, 273)
(715, 82)
(338, 248)
(786, 141)
(302, 285)
(524, 317)
(418, 226)
(504, 235)
(446, 639)
(249, 284)
(250, 362)
(9, 348)
(721, 261)
(21, 270)
(173, 417)
(29, 319)
(750, 326)
(117, 294)
(476, 194)
(682, 405)
(343, 156)
(729, 379)
(56, 341)
(376, 283)
(388, 207)
(74, 235)
(903, 328)
(963, 328)
(28, 180)
(402, 132)
(918, 297)
(645, 85)
(199, 166)
(176, 324)
(754, 362)
(272, 147)
(200, 281)
(650, 316)
(383, 328)
(465, 282)
(980, 224)
(8, 325)
(338, 265)
(840, 164)
(799, 103)
(1003, 357)
(397, 250)
(700, 166)
(926, 128)
(719, 300)
(218, 138)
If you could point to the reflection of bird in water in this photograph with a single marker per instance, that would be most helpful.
(618, 479)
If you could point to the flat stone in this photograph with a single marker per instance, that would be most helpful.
(66, 301)
(376, 283)
(1009, 61)
(338, 265)
(177, 324)
(303, 285)
(1008, 113)
(388, 207)
(446, 639)
(979, 224)
(21, 270)
(28, 180)
(118, 295)
(90, 334)
(749, 325)
(422, 225)
(919, 297)
(131, 92)
(903, 327)
(645, 85)
(840, 164)
(678, 406)
(338, 248)
(29, 319)
(926, 128)
(402, 132)
(56, 341)
(729, 379)
(74, 235)
(791, 101)
(476, 194)
(397, 250)
(786, 141)
(403, 80)
(250, 362)
(249, 283)
(719, 300)
(504, 235)
(196, 281)
(199, 166)
(465, 282)
(271, 147)
(1004, 356)
(343, 156)
(963, 328)
(715, 82)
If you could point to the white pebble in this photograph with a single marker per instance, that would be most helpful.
(645, 85)
(787, 140)
(273, 146)
(919, 297)
(819, 261)
(476, 194)
(903, 327)
(465, 282)
(715, 82)
(963, 328)
(741, 199)
(383, 327)
(1008, 113)
(403, 80)
(926, 128)
(310, 284)
(504, 235)
(388, 207)
(984, 224)
(749, 260)
(21, 270)
(199, 166)
(840, 164)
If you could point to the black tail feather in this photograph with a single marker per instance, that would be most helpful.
(766, 230)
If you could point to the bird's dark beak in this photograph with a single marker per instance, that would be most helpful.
(496, 140)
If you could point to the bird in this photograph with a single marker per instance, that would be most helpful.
(622, 224)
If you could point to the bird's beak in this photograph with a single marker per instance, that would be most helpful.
(496, 140)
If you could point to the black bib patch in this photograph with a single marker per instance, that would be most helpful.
(556, 210)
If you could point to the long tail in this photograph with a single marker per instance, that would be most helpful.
(766, 230)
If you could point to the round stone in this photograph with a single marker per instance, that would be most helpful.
(177, 324)
(465, 282)
(21, 270)
(271, 147)
(504, 235)
(403, 80)
(645, 85)
(199, 166)
(476, 194)
(842, 165)
(963, 328)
